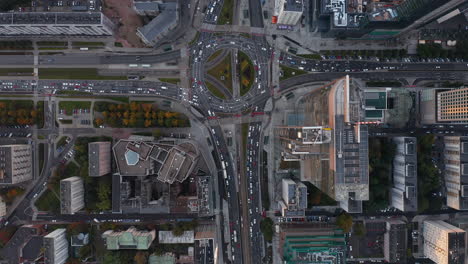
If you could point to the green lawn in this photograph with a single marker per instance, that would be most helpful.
(52, 43)
(170, 80)
(52, 48)
(68, 106)
(215, 55)
(310, 56)
(290, 72)
(118, 44)
(41, 156)
(62, 141)
(75, 74)
(223, 69)
(195, 39)
(15, 71)
(225, 17)
(246, 73)
(214, 90)
(245, 131)
(87, 43)
(48, 201)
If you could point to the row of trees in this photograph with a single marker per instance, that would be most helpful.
(137, 114)
(266, 226)
(381, 153)
(433, 50)
(428, 176)
(393, 53)
(21, 112)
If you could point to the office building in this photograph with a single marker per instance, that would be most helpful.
(444, 243)
(444, 106)
(289, 12)
(71, 195)
(294, 202)
(395, 241)
(331, 146)
(56, 247)
(312, 243)
(3, 208)
(404, 193)
(129, 239)
(143, 158)
(167, 237)
(15, 163)
(158, 28)
(55, 24)
(456, 171)
(99, 158)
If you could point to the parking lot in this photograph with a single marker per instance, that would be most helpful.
(370, 245)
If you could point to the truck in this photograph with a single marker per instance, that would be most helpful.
(133, 65)
(84, 49)
(146, 65)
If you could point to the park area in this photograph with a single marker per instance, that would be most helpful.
(137, 114)
(69, 106)
(226, 15)
(21, 112)
(287, 72)
(246, 73)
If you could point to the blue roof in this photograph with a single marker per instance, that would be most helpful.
(132, 157)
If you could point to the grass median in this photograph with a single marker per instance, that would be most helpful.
(75, 74)
(225, 17)
(15, 71)
(214, 90)
(170, 80)
(290, 72)
(68, 106)
(85, 43)
(246, 73)
(223, 72)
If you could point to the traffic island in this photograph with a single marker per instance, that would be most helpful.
(287, 72)
(246, 73)
(223, 72)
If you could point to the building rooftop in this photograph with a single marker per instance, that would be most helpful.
(293, 5)
(21, 18)
(167, 18)
(146, 6)
(166, 237)
(375, 100)
(129, 239)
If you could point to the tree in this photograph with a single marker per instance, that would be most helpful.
(345, 221)
(359, 229)
(99, 121)
(266, 226)
(141, 257)
(178, 230)
(157, 133)
(103, 195)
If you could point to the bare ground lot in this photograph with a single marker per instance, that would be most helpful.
(123, 15)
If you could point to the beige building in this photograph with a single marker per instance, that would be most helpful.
(3, 208)
(56, 247)
(71, 195)
(289, 11)
(456, 171)
(99, 158)
(444, 243)
(15, 163)
(444, 106)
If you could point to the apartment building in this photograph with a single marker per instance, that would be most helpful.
(56, 247)
(289, 11)
(99, 158)
(294, 202)
(15, 163)
(444, 243)
(71, 195)
(456, 171)
(404, 193)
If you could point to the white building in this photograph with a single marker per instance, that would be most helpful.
(56, 247)
(3, 208)
(15, 163)
(71, 195)
(404, 194)
(55, 24)
(294, 194)
(289, 11)
(444, 243)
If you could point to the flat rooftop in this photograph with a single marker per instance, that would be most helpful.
(50, 18)
(293, 5)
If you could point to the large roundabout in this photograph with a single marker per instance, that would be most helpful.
(249, 86)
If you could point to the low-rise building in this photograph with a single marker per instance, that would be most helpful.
(161, 25)
(312, 243)
(15, 163)
(167, 237)
(99, 158)
(444, 243)
(71, 195)
(56, 247)
(55, 24)
(129, 239)
(404, 193)
(294, 202)
(395, 241)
